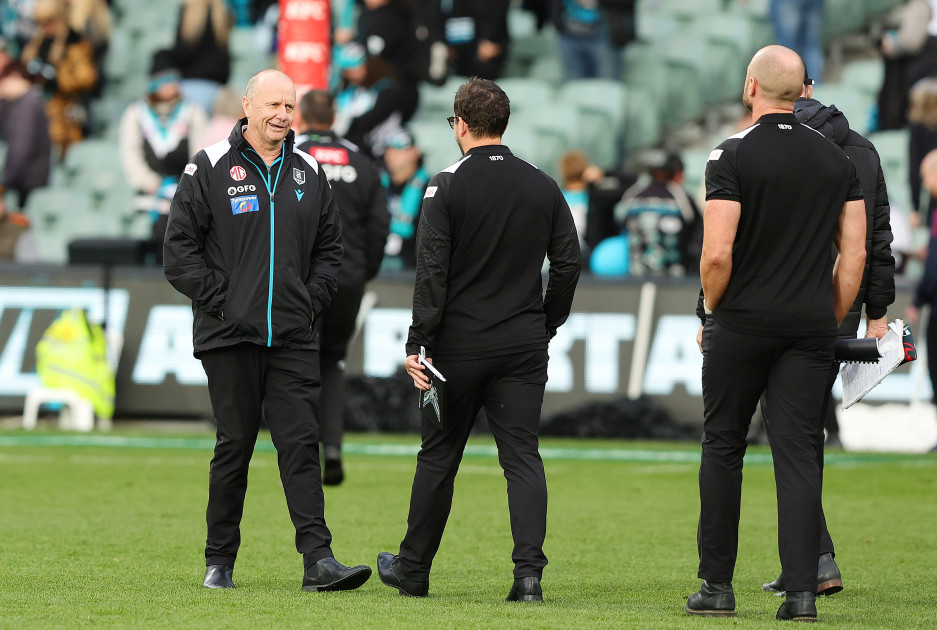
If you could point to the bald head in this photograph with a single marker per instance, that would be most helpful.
(263, 78)
(779, 73)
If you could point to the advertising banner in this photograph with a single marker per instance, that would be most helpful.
(304, 43)
(623, 338)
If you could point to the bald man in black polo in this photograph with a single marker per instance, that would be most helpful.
(778, 194)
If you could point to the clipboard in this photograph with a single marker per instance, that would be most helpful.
(433, 400)
(895, 348)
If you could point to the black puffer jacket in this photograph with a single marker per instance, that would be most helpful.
(877, 290)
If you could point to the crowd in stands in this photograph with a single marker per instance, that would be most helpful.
(601, 91)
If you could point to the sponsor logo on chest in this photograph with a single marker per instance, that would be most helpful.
(241, 205)
(238, 173)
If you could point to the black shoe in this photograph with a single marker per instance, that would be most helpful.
(829, 579)
(525, 589)
(388, 569)
(714, 599)
(218, 576)
(799, 606)
(328, 574)
(333, 473)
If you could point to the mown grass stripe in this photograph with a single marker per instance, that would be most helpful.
(664, 456)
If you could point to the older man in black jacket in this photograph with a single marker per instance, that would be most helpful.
(876, 291)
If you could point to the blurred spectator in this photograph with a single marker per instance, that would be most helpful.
(92, 19)
(663, 224)
(798, 24)
(372, 103)
(576, 174)
(201, 50)
(25, 130)
(357, 188)
(62, 61)
(158, 135)
(910, 55)
(405, 180)
(227, 111)
(432, 53)
(922, 138)
(592, 34)
(18, 25)
(16, 239)
(477, 35)
(386, 29)
(926, 292)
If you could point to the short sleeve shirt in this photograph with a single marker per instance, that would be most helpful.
(792, 184)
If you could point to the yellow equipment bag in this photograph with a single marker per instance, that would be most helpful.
(72, 354)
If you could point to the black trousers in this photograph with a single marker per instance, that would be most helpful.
(826, 411)
(792, 373)
(336, 326)
(247, 382)
(510, 388)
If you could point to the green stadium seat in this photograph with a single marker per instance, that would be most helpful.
(642, 120)
(602, 107)
(855, 104)
(865, 75)
(55, 213)
(527, 94)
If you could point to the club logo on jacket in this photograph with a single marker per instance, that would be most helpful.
(299, 176)
(240, 205)
(238, 173)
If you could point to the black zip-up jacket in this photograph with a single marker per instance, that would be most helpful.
(356, 184)
(256, 249)
(486, 224)
(877, 290)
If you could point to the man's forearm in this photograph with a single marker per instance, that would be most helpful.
(715, 279)
(847, 276)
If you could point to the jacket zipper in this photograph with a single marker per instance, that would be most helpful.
(270, 191)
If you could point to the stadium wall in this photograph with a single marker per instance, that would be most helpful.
(624, 338)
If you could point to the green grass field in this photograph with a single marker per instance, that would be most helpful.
(108, 531)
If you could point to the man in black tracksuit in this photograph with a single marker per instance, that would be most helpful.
(876, 290)
(254, 241)
(778, 195)
(486, 224)
(356, 185)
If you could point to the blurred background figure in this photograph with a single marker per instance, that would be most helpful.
(201, 50)
(24, 128)
(404, 180)
(477, 35)
(922, 138)
(926, 292)
(592, 35)
(62, 61)
(16, 239)
(662, 222)
(910, 54)
(386, 29)
(226, 112)
(372, 104)
(92, 20)
(357, 187)
(158, 135)
(576, 174)
(798, 24)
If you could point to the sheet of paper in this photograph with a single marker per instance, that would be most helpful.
(860, 378)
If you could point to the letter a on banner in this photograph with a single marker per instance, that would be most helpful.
(304, 46)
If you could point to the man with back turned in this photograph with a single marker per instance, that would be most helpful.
(778, 194)
(480, 312)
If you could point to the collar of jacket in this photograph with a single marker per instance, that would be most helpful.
(319, 135)
(490, 149)
(240, 143)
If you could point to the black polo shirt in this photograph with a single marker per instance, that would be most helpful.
(791, 183)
